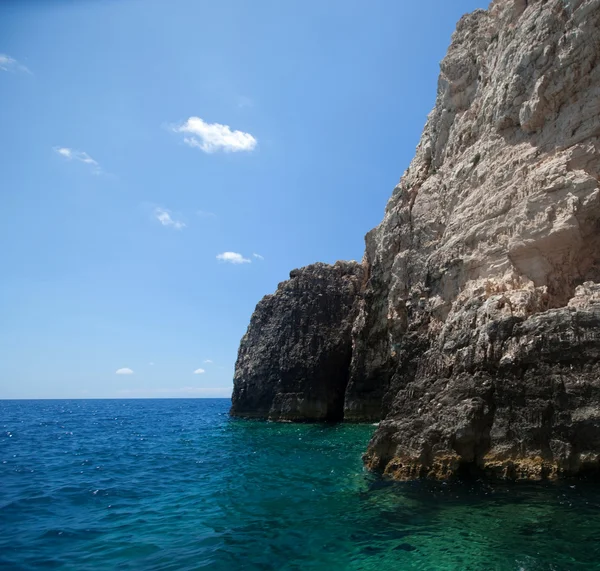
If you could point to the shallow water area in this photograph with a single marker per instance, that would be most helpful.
(177, 484)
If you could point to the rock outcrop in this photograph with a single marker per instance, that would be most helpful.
(294, 360)
(500, 393)
(477, 333)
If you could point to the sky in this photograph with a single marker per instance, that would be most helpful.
(164, 165)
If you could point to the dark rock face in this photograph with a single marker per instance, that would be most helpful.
(293, 363)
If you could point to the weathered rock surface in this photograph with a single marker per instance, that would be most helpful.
(293, 362)
(501, 393)
(486, 363)
(477, 335)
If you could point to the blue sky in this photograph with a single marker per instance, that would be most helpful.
(143, 139)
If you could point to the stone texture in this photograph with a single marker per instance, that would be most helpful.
(477, 330)
(293, 362)
(502, 394)
(485, 363)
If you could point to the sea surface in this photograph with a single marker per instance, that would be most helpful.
(177, 484)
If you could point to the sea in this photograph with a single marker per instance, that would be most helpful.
(179, 485)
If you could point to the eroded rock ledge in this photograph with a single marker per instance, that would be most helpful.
(474, 326)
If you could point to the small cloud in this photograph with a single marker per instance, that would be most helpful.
(208, 362)
(80, 156)
(199, 371)
(8, 63)
(165, 218)
(64, 152)
(233, 258)
(206, 214)
(258, 256)
(124, 371)
(151, 364)
(212, 137)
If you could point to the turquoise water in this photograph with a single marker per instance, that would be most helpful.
(177, 484)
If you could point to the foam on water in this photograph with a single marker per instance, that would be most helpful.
(177, 484)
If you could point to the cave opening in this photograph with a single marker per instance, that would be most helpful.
(338, 380)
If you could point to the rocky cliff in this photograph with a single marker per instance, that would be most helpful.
(476, 335)
(293, 362)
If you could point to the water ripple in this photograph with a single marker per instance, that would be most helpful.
(176, 484)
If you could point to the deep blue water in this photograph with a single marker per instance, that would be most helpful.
(177, 484)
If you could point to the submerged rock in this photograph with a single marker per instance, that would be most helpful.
(476, 334)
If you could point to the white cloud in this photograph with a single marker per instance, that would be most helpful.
(124, 371)
(208, 361)
(206, 214)
(64, 152)
(81, 156)
(8, 63)
(233, 258)
(165, 218)
(199, 371)
(258, 256)
(212, 137)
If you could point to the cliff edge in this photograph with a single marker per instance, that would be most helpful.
(476, 329)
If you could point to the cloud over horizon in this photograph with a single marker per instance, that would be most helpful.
(213, 137)
(164, 217)
(124, 371)
(81, 156)
(233, 258)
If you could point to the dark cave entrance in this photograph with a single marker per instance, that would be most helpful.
(337, 383)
